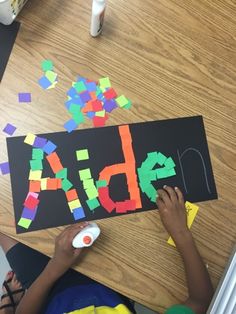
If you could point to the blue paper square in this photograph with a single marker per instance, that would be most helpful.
(100, 96)
(78, 213)
(70, 125)
(90, 114)
(72, 92)
(44, 82)
(91, 86)
(76, 100)
(49, 147)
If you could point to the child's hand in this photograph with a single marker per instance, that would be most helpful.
(172, 210)
(65, 255)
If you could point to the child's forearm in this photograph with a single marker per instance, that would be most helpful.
(198, 280)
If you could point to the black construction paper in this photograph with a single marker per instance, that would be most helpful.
(183, 139)
(8, 35)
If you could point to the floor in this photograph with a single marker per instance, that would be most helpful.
(4, 268)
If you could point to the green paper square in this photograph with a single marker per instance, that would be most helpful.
(62, 174)
(98, 91)
(82, 154)
(144, 185)
(101, 183)
(105, 82)
(36, 164)
(80, 87)
(51, 76)
(162, 173)
(151, 192)
(92, 193)
(24, 222)
(78, 117)
(88, 184)
(74, 108)
(101, 113)
(85, 174)
(66, 185)
(37, 153)
(152, 156)
(169, 163)
(128, 106)
(93, 203)
(171, 172)
(122, 101)
(152, 175)
(47, 65)
(161, 159)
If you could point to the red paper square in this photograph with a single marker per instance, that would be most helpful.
(31, 202)
(110, 94)
(97, 105)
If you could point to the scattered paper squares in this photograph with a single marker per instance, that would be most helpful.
(9, 129)
(47, 65)
(5, 168)
(24, 97)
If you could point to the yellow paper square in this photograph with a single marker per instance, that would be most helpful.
(35, 175)
(29, 139)
(74, 204)
(191, 210)
(44, 184)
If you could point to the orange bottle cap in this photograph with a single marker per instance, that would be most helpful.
(87, 240)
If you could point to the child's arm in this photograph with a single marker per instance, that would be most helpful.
(173, 215)
(64, 257)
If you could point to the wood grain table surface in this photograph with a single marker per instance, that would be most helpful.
(172, 59)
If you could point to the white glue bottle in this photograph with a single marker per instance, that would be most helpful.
(97, 18)
(86, 236)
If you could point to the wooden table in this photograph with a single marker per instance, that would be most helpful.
(173, 59)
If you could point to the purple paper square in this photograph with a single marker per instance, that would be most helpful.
(39, 142)
(9, 129)
(49, 147)
(78, 213)
(29, 213)
(24, 97)
(85, 96)
(5, 168)
(70, 125)
(109, 105)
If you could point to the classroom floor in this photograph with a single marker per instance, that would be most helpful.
(4, 268)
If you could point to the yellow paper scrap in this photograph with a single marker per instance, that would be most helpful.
(191, 210)
(74, 204)
(35, 175)
(29, 139)
(44, 184)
